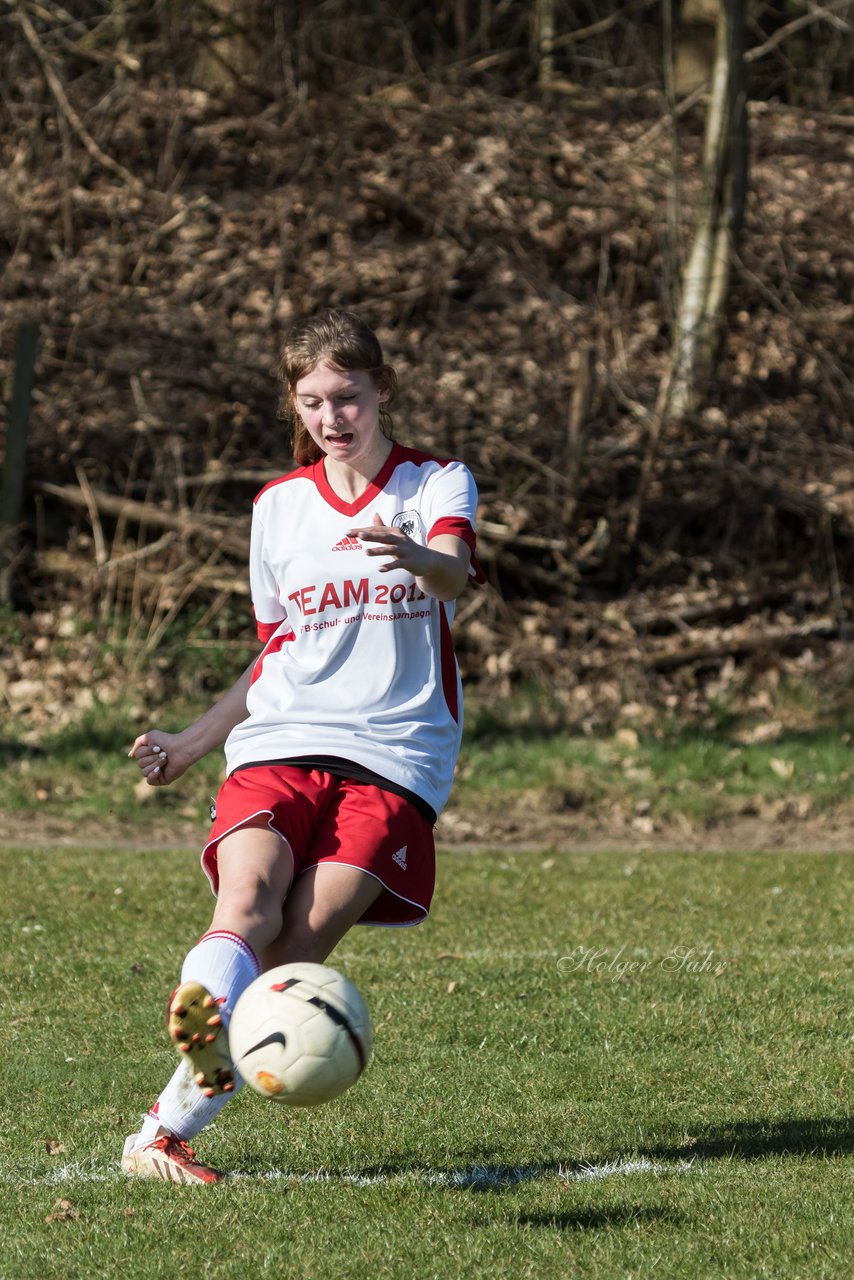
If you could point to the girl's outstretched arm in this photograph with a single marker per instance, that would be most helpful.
(162, 757)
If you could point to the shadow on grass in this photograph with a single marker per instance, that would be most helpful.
(92, 733)
(481, 1171)
(758, 1139)
(466, 1172)
(11, 752)
(472, 1171)
(595, 1219)
(104, 734)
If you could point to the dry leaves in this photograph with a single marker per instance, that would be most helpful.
(510, 254)
(63, 1211)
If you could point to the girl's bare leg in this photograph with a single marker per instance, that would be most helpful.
(322, 906)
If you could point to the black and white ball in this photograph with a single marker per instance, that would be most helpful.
(300, 1034)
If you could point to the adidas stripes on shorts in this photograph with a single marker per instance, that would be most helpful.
(325, 818)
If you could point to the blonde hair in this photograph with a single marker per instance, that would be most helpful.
(346, 342)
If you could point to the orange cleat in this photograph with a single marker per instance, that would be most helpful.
(166, 1158)
(196, 1028)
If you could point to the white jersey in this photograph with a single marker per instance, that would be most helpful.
(357, 664)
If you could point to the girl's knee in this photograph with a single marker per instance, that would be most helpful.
(252, 915)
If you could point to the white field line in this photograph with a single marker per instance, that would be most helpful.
(476, 1177)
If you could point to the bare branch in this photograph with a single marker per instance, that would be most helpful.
(55, 85)
(825, 14)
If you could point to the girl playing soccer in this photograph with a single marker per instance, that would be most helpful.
(342, 736)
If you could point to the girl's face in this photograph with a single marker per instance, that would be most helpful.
(340, 409)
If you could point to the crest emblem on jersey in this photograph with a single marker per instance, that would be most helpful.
(410, 523)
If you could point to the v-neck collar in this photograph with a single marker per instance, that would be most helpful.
(372, 490)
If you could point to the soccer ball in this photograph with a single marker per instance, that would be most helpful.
(300, 1034)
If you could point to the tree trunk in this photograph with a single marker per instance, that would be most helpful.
(705, 279)
(544, 39)
(717, 222)
(15, 459)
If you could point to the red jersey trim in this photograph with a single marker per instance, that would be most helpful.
(448, 663)
(273, 646)
(419, 457)
(460, 528)
(316, 472)
(266, 630)
(324, 488)
(397, 456)
(297, 474)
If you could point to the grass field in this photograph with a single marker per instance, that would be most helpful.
(79, 772)
(605, 1066)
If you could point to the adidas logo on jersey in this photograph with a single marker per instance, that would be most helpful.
(348, 544)
(400, 858)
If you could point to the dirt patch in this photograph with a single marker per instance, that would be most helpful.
(526, 825)
(520, 827)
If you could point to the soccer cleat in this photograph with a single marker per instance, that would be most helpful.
(166, 1158)
(196, 1028)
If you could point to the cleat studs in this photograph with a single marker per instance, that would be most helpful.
(209, 1093)
(209, 1039)
(180, 1011)
(196, 1038)
(208, 1002)
(199, 1078)
(215, 1021)
(185, 1048)
(228, 1088)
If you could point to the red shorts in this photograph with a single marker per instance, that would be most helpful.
(329, 819)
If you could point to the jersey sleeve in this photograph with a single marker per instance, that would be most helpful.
(268, 611)
(451, 507)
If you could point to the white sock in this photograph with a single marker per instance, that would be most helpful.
(225, 964)
(182, 1109)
